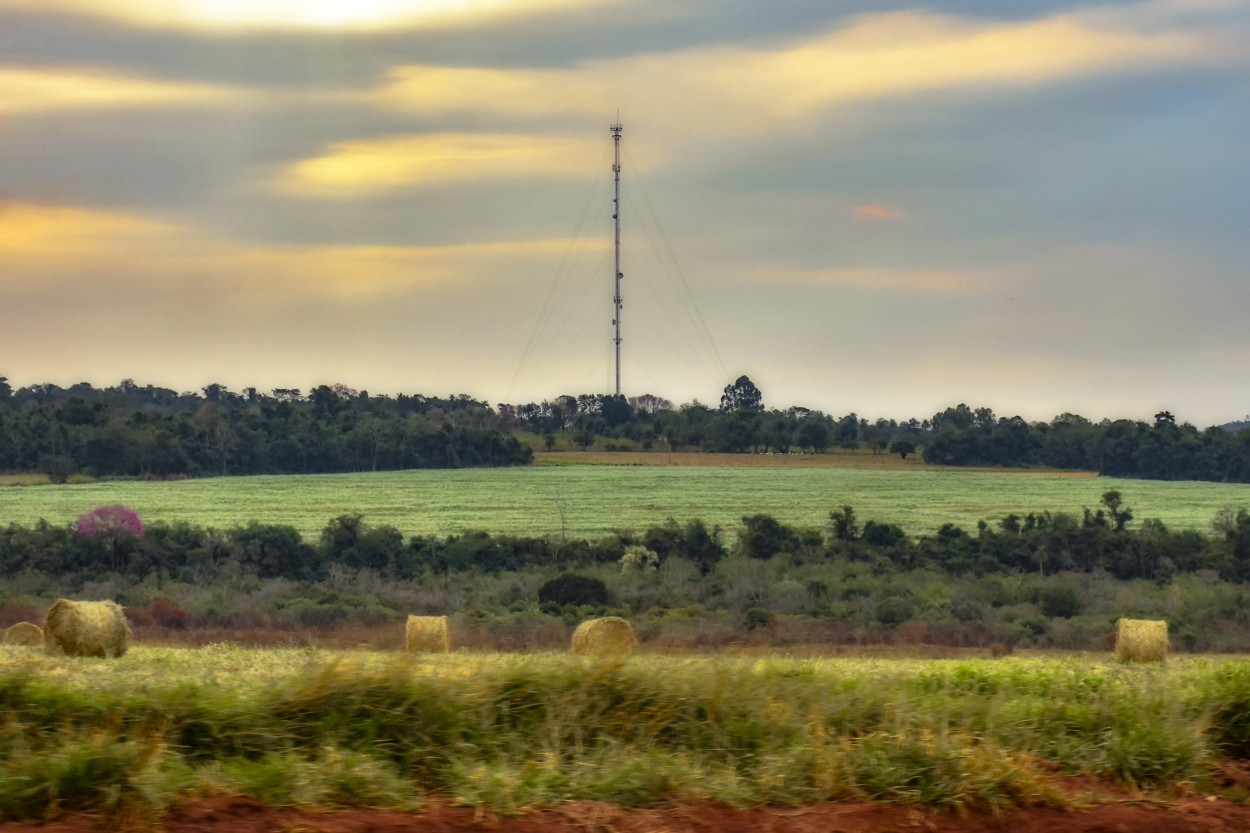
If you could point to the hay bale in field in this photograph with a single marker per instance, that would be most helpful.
(24, 634)
(610, 636)
(1141, 640)
(86, 629)
(427, 634)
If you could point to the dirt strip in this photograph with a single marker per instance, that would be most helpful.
(234, 814)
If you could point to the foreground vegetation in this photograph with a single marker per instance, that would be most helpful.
(368, 728)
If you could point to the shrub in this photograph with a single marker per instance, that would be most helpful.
(109, 521)
(639, 559)
(763, 536)
(574, 589)
(1061, 602)
(168, 614)
(273, 551)
(12, 613)
(756, 617)
(348, 540)
(882, 535)
(694, 542)
(895, 610)
(138, 617)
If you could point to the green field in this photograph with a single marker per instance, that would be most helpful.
(510, 730)
(588, 501)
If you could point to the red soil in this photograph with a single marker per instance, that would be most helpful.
(234, 814)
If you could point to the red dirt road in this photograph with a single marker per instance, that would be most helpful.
(232, 814)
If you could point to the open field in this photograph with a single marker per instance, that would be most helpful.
(377, 728)
(584, 496)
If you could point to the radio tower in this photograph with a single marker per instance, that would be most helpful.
(616, 217)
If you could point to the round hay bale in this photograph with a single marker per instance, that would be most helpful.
(610, 636)
(24, 634)
(86, 629)
(427, 634)
(1141, 640)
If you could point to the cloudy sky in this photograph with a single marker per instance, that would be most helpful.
(882, 207)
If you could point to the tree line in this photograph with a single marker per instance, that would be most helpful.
(132, 430)
(957, 436)
(1161, 450)
(129, 430)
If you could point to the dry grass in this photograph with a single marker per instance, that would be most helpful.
(86, 629)
(1141, 640)
(24, 480)
(427, 634)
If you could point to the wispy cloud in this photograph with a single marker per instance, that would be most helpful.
(51, 89)
(67, 247)
(352, 169)
(300, 14)
(749, 90)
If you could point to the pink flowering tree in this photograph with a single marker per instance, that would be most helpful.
(112, 526)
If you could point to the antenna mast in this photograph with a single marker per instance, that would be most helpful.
(616, 217)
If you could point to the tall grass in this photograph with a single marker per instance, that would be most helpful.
(586, 501)
(319, 727)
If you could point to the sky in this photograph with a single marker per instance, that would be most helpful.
(883, 207)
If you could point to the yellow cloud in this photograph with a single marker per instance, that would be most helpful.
(28, 91)
(71, 247)
(878, 55)
(304, 14)
(354, 168)
(909, 52)
(358, 273)
(71, 232)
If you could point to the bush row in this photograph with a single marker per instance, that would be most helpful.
(1043, 543)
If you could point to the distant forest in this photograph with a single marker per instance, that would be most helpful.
(144, 431)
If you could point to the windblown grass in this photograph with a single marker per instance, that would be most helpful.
(387, 729)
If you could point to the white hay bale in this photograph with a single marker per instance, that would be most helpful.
(24, 634)
(86, 629)
(1141, 640)
(427, 634)
(610, 636)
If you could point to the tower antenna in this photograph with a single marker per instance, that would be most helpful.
(616, 217)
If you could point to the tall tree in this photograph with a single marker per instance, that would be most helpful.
(742, 395)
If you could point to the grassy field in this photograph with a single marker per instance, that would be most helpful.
(587, 496)
(511, 730)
